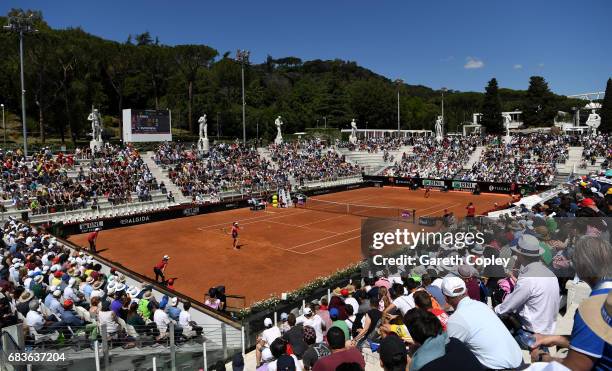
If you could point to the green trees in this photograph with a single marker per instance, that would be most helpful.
(539, 105)
(491, 109)
(606, 110)
(69, 70)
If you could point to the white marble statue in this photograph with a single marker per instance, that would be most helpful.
(507, 119)
(353, 136)
(439, 129)
(203, 144)
(96, 125)
(279, 136)
(593, 121)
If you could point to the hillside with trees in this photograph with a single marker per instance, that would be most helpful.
(69, 70)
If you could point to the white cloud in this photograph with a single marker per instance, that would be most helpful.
(518, 66)
(473, 63)
(447, 59)
(541, 65)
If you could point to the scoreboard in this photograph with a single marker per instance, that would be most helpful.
(146, 125)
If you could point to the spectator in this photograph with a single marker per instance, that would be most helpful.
(340, 354)
(393, 354)
(477, 326)
(295, 336)
(70, 317)
(372, 320)
(536, 295)
(588, 347)
(436, 349)
(315, 350)
(422, 300)
(337, 322)
(282, 360)
(314, 321)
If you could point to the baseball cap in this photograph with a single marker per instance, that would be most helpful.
(307, 311)
(453, 286)
(587, 202)
(334, 312)
(166, 257)
(284, 316)
(267, 322)
(392, 350)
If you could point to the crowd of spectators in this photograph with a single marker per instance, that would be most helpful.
(375, 145)
(596, 146)
(48, 183)
(527, 159)
(310, 161)
(226, 168)
(469, 316)
(62, 295)
(431, 159)
(41, 183)
(118, 171)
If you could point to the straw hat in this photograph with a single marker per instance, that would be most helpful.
(25, 297)
(338, 291)
(596, 312)
(529, 246)
(147, 295)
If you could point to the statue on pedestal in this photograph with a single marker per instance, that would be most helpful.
(353, 136)
(279, 136)
(439, 129)
(507, 120)
(96, 130)
(203, 144)
(593, 121)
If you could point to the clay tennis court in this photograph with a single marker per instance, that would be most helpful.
(281, 249)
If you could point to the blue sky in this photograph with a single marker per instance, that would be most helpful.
(459, 44)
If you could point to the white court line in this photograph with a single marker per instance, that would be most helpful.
(324, 238)
(442, 209)
(326, 246)
(322, 220)
(299, 226)
(255, 220)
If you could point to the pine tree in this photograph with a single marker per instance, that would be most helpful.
(539, 108)
(606, 110)
(491, 109)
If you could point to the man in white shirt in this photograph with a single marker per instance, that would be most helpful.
(162, 320)
(536, 294)
(271, 332)
(314, 321)
(479, 328)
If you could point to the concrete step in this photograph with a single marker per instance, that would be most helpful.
(162, 176)
(474, 157)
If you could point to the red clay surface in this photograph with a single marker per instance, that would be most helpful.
(282, 249)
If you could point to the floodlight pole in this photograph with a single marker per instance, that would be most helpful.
(398, 82)
(3, 125)
(443, 90)
(21, 24)
(243, 57)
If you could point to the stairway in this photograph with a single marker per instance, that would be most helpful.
(265, 154)
(162, 176)
(573, 161)
(473, 158)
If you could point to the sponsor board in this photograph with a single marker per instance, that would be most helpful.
(90, 226)
(191, 211)
(434, 183)
(135, 220)
(464, 185)
(500, 188)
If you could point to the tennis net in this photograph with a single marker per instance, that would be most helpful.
(368, 211)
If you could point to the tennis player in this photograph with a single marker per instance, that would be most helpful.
(235, 230)
(427, 191)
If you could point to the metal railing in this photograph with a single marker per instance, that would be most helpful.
(92, 347)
